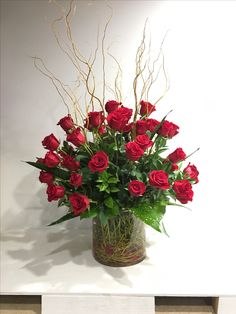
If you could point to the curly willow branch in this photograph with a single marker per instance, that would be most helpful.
(48, 74)
(118, 79)
(145, 68)
(138, 61)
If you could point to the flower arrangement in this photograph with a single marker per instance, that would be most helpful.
(114, 159)
(121, 168)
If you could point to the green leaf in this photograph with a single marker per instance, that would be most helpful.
(61, 202)
(102, 187)
(66, 147)
(113, 165)
(151, 214)
(114, 189)
(80, 157)
(62, 219)
(103, 218)
(136, 173)
(90, 213)
(103, 176)
(60, 173)
(114, 210)
(109, 202)
(113, 180)
(86, 174)
(163, 229)
(179, 176)
(161, 150)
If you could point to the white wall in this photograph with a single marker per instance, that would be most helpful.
(200, 54)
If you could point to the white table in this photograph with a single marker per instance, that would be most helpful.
(55, 262)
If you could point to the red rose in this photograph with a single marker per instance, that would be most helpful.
(141, 127)
(136, 188)
(183, 191)
(51, 160)
(50, 142)
(70, 163)
(159, 179)
(152, 124)
(168, 129)
(102, 129)
(128, 127)
(79, 203)
(66, 123)
(94, 120)
(133, 151)
(55, 192)
(99, 162)
(146, 108)
(76, 179)
(118, 119)
(46, 177)
(40, 160)
(177, 155)
(112, 105)
(76, 137)
(191, 172)
(174, 167)
(143, 141)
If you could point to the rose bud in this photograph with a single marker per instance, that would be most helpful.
(133, 151)
(76, 137)
(66, 123)
(168, 129)
(55, 192)
(102, 129)
(94, 120)
(152, 124)
(51, 160)
(143, 141)
(146, 108)
(50, 142)
(76, 179)
(177, 155)
(79, 203)
(136, 188)
(70, 163)
(112, 105)
(191, 172)
(174, 167)
(99, 162)
(141, 127)
(159, 179)
(46, 177)
(183, 191)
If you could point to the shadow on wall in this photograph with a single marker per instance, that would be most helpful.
(36, 211)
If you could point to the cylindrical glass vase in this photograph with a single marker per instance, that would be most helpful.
(120, 242)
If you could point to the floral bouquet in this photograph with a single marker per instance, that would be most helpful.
(121, 169)
(114, 167)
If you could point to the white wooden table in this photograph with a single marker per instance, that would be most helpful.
(58, 264)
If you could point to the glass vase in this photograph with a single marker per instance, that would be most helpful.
(120, 242)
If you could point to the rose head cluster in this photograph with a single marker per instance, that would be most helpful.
(114, 160)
